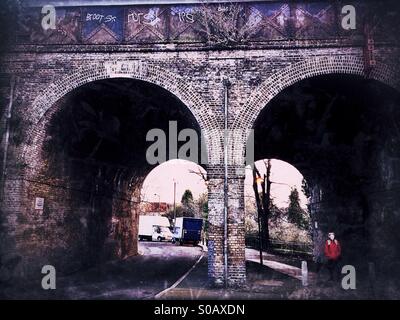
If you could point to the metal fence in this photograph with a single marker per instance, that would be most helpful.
(281, 247)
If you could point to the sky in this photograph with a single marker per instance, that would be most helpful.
(160, 181)
(159, 184)
(284, 177)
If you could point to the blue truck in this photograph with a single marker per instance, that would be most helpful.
(187, 230)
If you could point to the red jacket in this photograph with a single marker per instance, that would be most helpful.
(332, 249)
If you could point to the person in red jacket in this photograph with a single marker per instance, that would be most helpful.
(332, 252)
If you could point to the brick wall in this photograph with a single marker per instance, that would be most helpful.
(194, 77)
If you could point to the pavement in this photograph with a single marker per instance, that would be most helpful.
(272, 281)
(156, 268)
(168, 271)
(278, 279)
(271, 262)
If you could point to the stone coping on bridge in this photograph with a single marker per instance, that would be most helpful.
(194, 46)
(72, 3)
(188, 22)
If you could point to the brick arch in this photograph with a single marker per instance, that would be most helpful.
(286, 77)
(147, 72)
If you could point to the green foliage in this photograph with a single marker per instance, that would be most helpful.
(295, 212)
(189, 207)
(202, 204)
(180, 212)
(187, 198)
(275, 212)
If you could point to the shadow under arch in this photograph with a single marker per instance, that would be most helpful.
(341, 132)
(309, 68)
(89, 160)
(136, 70)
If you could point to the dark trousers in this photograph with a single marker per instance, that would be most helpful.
(333, 268)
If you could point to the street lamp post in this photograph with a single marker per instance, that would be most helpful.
(260, 241)
(174, 202)
(159, 203)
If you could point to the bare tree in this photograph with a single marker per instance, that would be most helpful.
(225, 24)
(201, 174)
(263, 200)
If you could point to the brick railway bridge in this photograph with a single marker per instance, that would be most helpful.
(78, 100)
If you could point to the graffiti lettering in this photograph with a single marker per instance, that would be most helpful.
(94, 16)
(100, 17)
(151, 18)
(223, 8)
(110, 18)
(186, 17)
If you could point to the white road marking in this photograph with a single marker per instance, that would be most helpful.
(160, 294)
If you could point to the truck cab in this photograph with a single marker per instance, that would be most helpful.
(154, 228)
(161, 233)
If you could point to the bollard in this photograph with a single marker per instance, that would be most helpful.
(304, 273)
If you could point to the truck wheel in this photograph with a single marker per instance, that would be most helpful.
(159, 239)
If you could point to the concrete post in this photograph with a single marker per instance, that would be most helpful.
(304, 273)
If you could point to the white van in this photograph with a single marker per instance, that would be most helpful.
(154, 228)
